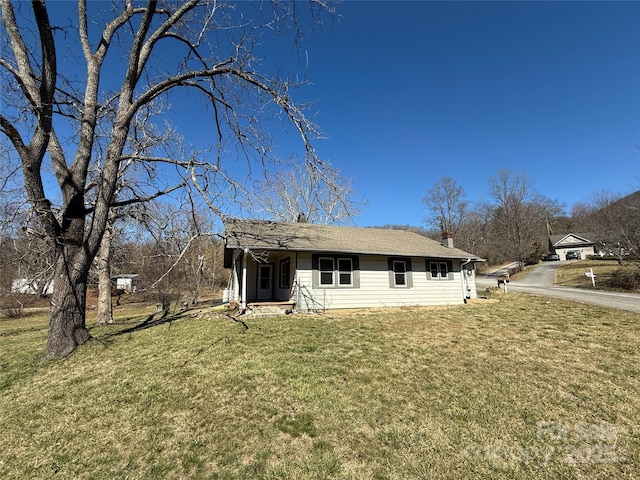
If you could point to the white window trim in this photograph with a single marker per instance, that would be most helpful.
(332, 271)
(395, 272)
(444, 276)
(439, 276)
(353, 272)
(350, 272)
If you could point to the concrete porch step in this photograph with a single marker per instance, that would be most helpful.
(269, 310)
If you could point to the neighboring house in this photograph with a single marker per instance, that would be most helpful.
(316, 267)
(32, 286)
(129, 282)
(561, 244)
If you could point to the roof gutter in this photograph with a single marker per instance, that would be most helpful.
(451, 256)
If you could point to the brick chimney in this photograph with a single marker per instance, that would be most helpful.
(447, 239)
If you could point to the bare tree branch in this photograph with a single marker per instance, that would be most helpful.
(325, 198)
(104, 132)
(182, 254)
(445, 200)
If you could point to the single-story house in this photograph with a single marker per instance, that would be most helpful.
(561, 244)
(317, 267)
(128, 282)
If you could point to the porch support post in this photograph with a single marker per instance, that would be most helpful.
(243, 300)
(464, 279)
(234, 287)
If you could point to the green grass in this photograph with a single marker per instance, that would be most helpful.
(516, 387)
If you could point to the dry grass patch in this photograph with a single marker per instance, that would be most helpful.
(573, 273)
(521, 387)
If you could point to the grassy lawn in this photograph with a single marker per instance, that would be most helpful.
(513, 387)
(572, 274)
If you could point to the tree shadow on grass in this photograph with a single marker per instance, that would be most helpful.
(20, 331)
(149, 322)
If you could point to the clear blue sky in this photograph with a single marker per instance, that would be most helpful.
(410, 92)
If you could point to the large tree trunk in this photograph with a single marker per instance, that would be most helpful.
(103, 265)
(67, 328)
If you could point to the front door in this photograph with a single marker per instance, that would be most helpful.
(265, 281)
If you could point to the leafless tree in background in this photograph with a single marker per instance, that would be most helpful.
(447, 205)
(474, 234)
(324, 196)
(184, 246)
(13, 211)
(26, 256)
(54, 115)
(520, 217)
(614, 220)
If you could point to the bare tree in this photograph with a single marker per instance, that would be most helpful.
(103, 267)
(520, 217)
(174, 249)
(615, 221)
(12, 198)
(25, 255)
(474, 234)
(48, 99)
(34, 262)
(183, 240)
(323, 195)
(445, 201)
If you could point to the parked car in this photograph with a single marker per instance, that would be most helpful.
(573, 255)
(552, 257)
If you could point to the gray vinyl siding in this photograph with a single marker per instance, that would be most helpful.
(375, 288)
(252, 282)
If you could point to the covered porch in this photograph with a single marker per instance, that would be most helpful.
(262, 281)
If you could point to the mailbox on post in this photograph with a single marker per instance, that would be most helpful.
(503, 281)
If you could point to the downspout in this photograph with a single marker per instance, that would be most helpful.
(464, 279)
(296, 284)
(243, 300)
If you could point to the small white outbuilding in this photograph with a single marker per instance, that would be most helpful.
(129, 282)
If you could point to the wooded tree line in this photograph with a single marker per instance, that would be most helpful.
(516, 224)
(171, 257)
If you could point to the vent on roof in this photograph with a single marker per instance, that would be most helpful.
(302, 218)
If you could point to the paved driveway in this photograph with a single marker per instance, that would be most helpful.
(539, 281)
(542, 275)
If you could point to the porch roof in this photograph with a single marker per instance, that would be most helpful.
(307, 237)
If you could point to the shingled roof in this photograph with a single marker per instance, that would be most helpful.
(307, 237)
(583, 239)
